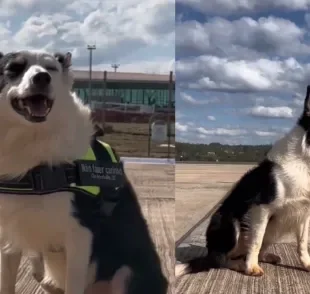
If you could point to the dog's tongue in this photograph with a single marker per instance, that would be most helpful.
(36, 107)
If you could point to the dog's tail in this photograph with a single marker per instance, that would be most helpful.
(221, 235)
(201, 264)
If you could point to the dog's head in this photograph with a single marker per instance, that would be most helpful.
(304, 120)
(30, 81)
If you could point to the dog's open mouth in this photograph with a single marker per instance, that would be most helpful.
(34, 108)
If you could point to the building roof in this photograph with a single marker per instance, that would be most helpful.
(122, 76)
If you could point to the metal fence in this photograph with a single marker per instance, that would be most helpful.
(130, 127)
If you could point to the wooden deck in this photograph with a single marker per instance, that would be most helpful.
(155, 187)
(208, 184)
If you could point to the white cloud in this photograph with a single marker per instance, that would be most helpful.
(244, 38)
(266, 134)
(221, 131)
(160, 66)
(83, 7)
(211, 117)
(228, 134)
(191, 100)
(188, 98)
(181, 127)
(269, 100)
(207, 72)
(256, 63)
(237, 6)
(298, 99)
(124, 31)
(40, 30)
(279, 112)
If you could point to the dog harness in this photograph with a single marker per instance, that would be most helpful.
(100, 168)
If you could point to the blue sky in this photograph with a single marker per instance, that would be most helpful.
(139, 35)
(242, 69)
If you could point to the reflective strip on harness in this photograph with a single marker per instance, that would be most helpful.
(109, 149)
(16, 189)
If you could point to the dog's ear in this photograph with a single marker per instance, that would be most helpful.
(307, 102)
(64, 59)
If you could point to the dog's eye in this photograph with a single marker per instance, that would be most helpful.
(16, 68)
(51, 68)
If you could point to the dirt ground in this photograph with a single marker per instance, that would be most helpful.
(198, 187)
(155, 188)
(131, 139)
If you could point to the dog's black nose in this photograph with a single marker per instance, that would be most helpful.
(41, 79)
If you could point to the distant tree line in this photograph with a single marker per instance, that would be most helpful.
(216, 152)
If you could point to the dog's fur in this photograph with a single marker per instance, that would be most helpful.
(269, 201)
(60, 227)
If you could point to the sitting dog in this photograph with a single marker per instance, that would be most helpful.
(55, 203)
(269, 201)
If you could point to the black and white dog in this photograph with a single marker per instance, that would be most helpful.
(269, 201)
(43, 122)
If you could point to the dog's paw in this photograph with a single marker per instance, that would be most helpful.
(254, 270)
(270, 258)
(306, 266)
(237, 265)
(180, 270)
(305, 261)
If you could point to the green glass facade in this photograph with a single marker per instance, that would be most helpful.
(131, 93)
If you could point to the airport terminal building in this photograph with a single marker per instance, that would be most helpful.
(127, 105)
(149, 90)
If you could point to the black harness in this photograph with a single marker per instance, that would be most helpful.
(99, 173)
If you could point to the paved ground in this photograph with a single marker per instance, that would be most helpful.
(155, 188)
(288, 277)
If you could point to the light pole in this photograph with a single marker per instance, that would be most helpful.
(169, 106)
(90, 48)
(115, 66)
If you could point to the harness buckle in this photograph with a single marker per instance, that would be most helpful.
(45, 178)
